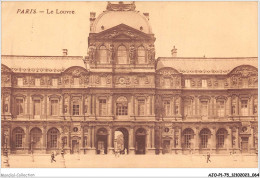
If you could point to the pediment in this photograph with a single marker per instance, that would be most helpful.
(122, 31)
(244, 71)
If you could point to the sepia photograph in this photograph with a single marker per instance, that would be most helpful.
(133, 84)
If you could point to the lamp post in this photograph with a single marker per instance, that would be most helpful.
(6, 161)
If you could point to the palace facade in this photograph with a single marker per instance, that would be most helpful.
(168, 105)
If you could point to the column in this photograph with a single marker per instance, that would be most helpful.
(110, 139)
(131, 141)
(89, 138)
(27, 139)
(213, 139)
(82, 140)
(237, 138)
(152, 133)
(251, 106)
(148, 105)
(44, 135)
(152, 102)
(109, 106)
(173, 106)
(179, 138)
(46, 106)
(229, 143)
(148, 143)
(251, 140)
(89, 104)
(228, 106)
(93, 138)
(173, 141)
(180, 106)
(9, 142)
(196, 140)
(237, 105)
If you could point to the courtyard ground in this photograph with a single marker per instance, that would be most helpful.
(133, 161)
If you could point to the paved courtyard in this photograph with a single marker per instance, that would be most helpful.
(133, 161)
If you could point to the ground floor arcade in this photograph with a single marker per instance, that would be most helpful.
(129, 137)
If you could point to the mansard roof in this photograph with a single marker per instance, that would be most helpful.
(205, 65)
(41, 64)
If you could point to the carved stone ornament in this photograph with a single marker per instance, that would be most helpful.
(92, 53)
(121, 6)
(76, 73)
(5, 78)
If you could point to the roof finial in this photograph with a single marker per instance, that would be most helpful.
(120, 6)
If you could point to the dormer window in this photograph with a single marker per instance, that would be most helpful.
(102, 27)
(141, 28)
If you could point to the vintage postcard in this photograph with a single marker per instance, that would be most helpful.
(129, 85)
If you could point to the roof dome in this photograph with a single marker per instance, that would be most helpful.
(114, 16)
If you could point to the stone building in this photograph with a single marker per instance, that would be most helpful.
(168, 105)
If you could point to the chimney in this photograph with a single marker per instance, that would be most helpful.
(146, 15)
(174, 52)
(92, 19)
(65, 52)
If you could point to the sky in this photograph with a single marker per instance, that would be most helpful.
(213, 29)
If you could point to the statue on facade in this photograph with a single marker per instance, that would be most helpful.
(92, 53)
(151, 54)
(111, 53)
(132, 54)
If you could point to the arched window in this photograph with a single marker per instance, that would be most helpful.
(204, 138)
(121, 55)
(53, 135)
(221, 133)
(188, 136)
(103, 55)
(141, 55)
(18, 135)
(121, 106)
(36, 135)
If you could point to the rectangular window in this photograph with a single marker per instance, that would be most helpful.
(187, 108)
(121, 109)
(141, 107)
(18, 140)
(166, 105)
(204, 83)
(75, 109)
(187, 83)
(54, 82)
(54, 107)
(20, 81)
(204, 108)
(37, 82)
(221, 108)
(19, 106)
(244, 108)
(102, 107)
(37, 107)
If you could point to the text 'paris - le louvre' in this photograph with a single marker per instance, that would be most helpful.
(164, 105)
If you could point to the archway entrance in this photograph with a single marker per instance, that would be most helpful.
(140, 141)
(75, 145)
(121, 137)
(101, 141)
